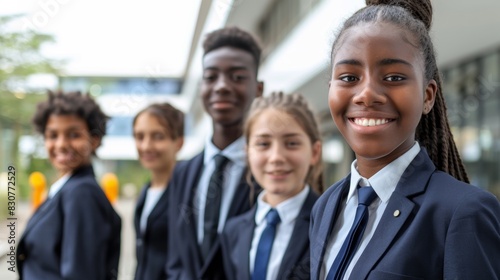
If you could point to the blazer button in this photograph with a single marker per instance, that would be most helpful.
(21, 257)
(139, 242)
(396, 213)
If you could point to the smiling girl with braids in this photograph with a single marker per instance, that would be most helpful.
(406, 211)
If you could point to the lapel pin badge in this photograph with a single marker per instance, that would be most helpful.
(396, 213)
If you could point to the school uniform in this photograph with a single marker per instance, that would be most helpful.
(187, 203)
(289, 257)
(150, 223)
(74, 234)
(432, 227)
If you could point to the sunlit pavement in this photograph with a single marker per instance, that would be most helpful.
(124, 207)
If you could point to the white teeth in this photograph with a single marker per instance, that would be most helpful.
(370, 122)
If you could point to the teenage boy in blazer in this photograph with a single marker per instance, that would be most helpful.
(230, 63)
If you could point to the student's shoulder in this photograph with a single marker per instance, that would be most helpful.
(441, 183)
(329, 194)
(83, 189)
(467, 207)
(184, 165)
(444, 182)
(183, 172)
(312, 195)
(235, 223)
(83, 182)
(336, 187)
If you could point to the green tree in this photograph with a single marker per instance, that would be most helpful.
(20, 57)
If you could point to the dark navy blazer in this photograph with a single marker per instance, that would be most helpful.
(184, 257)
(236, 241)
(151, 245)
(73, 235)
(445, 229)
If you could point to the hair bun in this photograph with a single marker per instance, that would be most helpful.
(420, 9)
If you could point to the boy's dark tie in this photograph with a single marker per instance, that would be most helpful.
(213, 204)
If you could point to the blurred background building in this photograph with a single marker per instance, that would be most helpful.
(160, 60)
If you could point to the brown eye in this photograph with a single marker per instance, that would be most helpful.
(238, 77)
(394, 78)
(74, 135)
(261, 144)
(138, 136)
(158, 136)
(348, 78)
(292, 144)
(209, 76)
(50, 135)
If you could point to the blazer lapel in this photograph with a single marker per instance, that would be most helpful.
(242, 200)
(330, 215)
(159, 209)
(189, 214)
(47, 204)
(39, 213)
(243, 247)
(138, 209)
(298, 244)
(413, 181)
(238, 245)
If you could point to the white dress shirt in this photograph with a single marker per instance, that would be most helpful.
(288, 211)
(232, 175)
(384, 183)
(152, 197)
(57, 185)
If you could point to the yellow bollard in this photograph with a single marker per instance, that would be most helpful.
(39, 186)
(109, 184)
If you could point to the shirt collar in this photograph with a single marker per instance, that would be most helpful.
(288, 209)
(57, 185)
(384, 182)
(235, 152)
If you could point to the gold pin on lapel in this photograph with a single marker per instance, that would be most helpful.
(396, 213)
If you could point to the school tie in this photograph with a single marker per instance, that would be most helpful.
(213, 204)
(366, 195)
(265, 246)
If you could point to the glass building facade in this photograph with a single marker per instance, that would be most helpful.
(122, 85)
(472, 92)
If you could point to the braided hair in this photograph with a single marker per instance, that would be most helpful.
(296, 106)
(415, 16)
